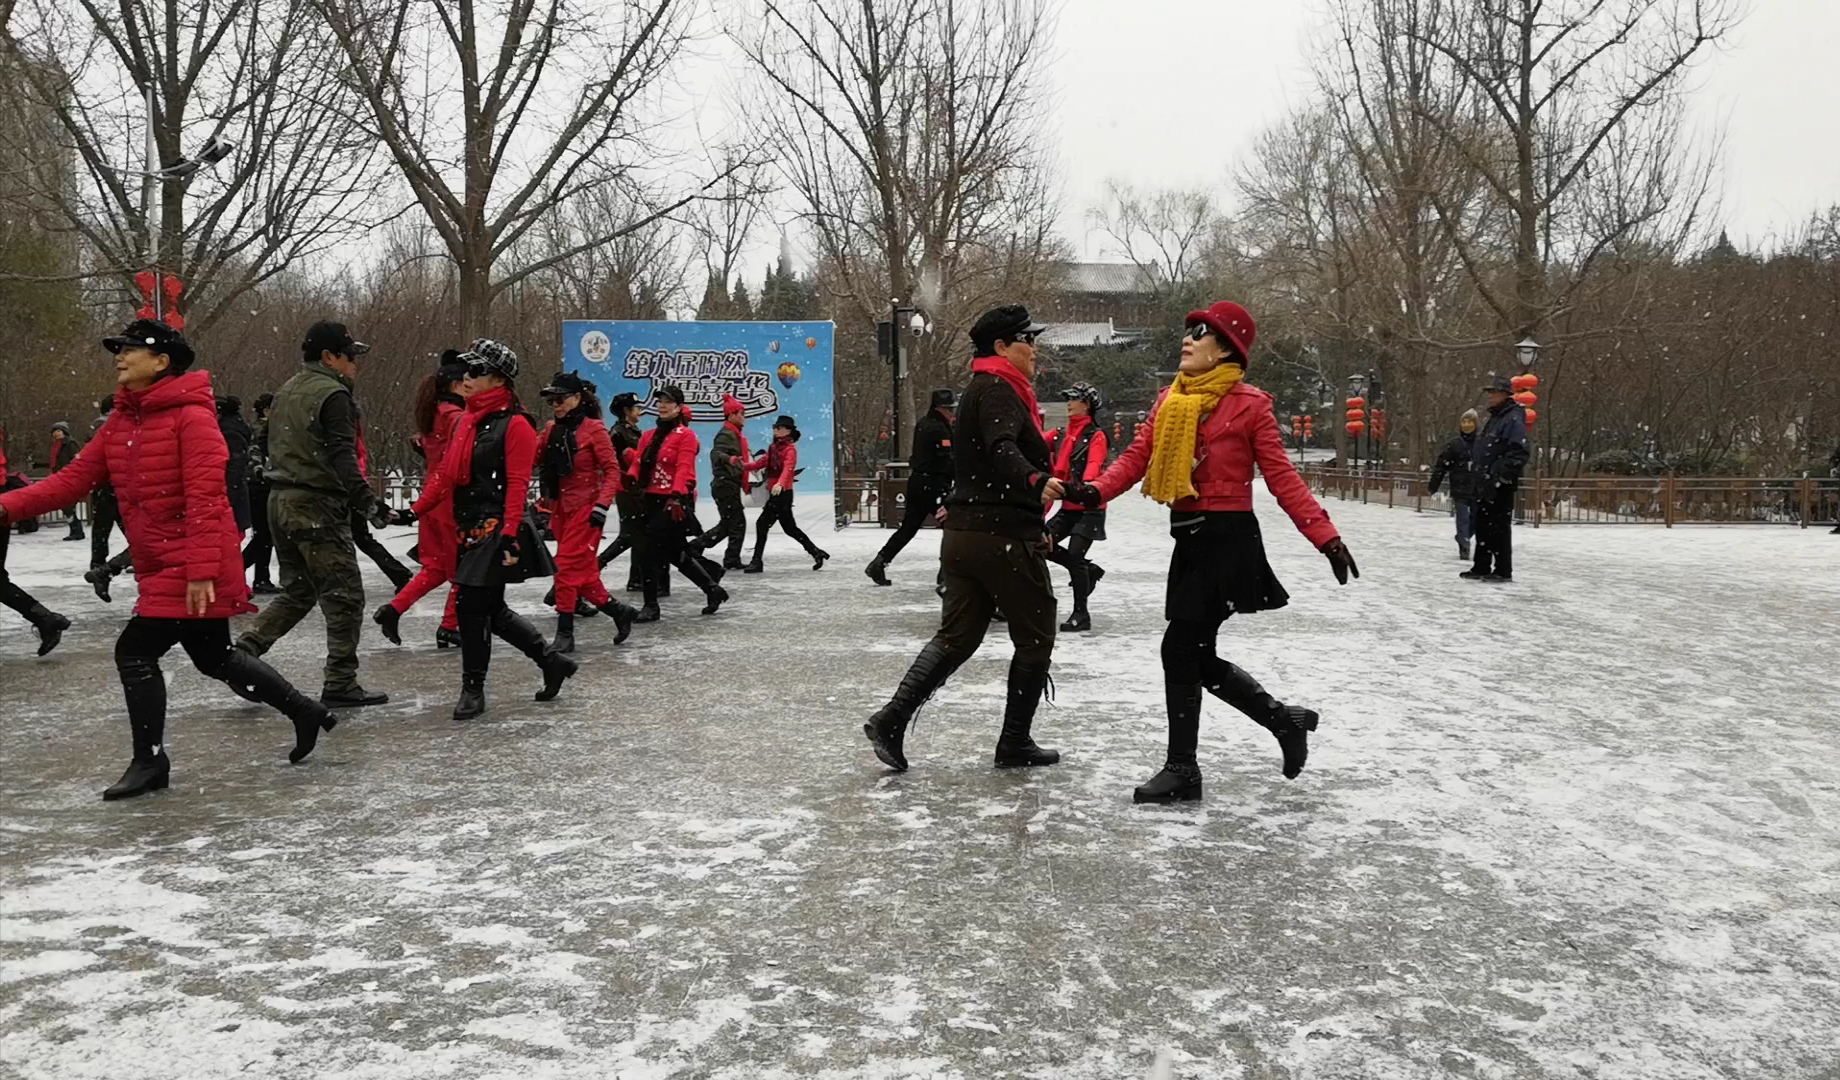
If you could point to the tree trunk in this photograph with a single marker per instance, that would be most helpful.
(476, 298)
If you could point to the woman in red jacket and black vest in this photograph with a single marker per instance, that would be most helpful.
(440, 402)
(664, 471)
(781, 462)
(162, 450)
(485, 478)
(1079, 455)
(578, 478)
(1196, 454)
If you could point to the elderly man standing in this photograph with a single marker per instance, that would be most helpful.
(315, 488)
(1499, 455)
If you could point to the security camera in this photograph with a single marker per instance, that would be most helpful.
(916, 324)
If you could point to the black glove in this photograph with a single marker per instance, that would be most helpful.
(1079, 491)
(508, 550)
(597, 517)
(380, 514)
(405, 516)
(1340, 560)
(675, 508)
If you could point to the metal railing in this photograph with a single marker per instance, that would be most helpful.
(1610, 500)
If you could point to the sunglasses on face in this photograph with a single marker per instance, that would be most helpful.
(1026, 338)
(1200, 331)
(477, 371)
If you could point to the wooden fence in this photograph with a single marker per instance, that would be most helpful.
(1611, 500)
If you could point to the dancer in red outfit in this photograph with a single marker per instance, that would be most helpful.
(781, 462)
(1079, 455)
(163, 452)
(440, 402)
(579, 475)
(485, 478)
(1196, 454)
(664, 470)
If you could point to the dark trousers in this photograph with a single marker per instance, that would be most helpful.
(1190, 659)
(261, 542)
(666, 545)
(207, 643)
(732, 527)
(779, 512)
(10, 594)
(398, 574)
(104, 516)
(1495, 534)
(922, 503)
(984, 573)
(483, 615)
(631, 537)
(319, 567)
(1072, 555)
(1466, 520)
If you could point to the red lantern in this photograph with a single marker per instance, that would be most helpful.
(1309, 427)
(1357, 402)
(1523, 382)
(1356, 414)
(1531, 417)
(1355, 427)
(1526, 398)
(1532, 380)
(1380, 424)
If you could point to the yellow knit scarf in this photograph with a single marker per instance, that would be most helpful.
(1170, 476)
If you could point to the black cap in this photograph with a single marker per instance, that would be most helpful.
(673, 392)
(1499, 384)
(264, 402)
(332, 337)
(944, 398)
(156, 335)
(786, 422)
(625, 399)
(229, 405)
(564, 383)
(1010, 322)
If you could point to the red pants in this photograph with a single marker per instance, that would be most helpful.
(578, 572)
(435, 539)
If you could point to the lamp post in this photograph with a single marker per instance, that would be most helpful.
(213, 151)
(917, 326)
(1526, 354)
(1357, 413)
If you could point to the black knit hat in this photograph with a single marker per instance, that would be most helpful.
(229, 405)
(156, 335)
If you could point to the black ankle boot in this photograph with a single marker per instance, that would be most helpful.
(446, 639)
(557, 669)
(472, 696)
(888, 727)
(1289, 723)
(1180, 778)
(98, 578)
(878, 571)
(525, 638)
(549, 598)
(623, 616)
(1077, 622)
(754, 567)
(149, 771)
(50, 626)
(565, 634)
(389, 620)
(1015, 749)
(648, 613)
(818, 558)
(253, 678)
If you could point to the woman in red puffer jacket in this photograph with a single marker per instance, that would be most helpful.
(440, 403)
(163, 451)
(664, 472)
(781, 464)
(578, 477)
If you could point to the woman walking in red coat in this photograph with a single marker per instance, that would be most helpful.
(440, 401)
(485, 479)
(1195, 455)
(781, 462)
(1079, 455)
(578, 478)
(664, 470)
(162, 450)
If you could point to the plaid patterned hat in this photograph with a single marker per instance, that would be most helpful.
(493, 356)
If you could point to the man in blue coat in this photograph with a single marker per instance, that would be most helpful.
(1498, 456)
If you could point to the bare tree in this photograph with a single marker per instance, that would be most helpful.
(1167, 233)
(908, 133)
(497, 112)
(249, 70)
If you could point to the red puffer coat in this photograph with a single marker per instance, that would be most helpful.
(675, 472)
(1240, 432)
(162, 449)
(595, 479)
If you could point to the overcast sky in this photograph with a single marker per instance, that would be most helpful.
(1172, 92)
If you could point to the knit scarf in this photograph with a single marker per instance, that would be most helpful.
(559, 454)
(466, 433)
(1011, 374)
(1170, 477)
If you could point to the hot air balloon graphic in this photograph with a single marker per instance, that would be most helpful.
(788, 374)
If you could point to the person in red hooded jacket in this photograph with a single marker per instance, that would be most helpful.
(485, 479)
(781, 464)
(664, 471)
(1079, 455)
(1196, 455)
(162, 450)
(578, 478)
(440, 402)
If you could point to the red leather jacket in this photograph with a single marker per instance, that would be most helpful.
(781, 462)
(1241, 432)
(162, 450)
(1064, 444)
(675, 473)
(595, 479)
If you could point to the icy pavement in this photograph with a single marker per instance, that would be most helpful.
(1584, 825)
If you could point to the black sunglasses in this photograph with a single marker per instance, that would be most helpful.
(477, 371)
(1027, 337)
(1200, 331)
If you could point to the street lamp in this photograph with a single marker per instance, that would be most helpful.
(213, 151)
(918, 325)
(1527, 351)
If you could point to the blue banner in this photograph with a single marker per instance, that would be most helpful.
(775, 368)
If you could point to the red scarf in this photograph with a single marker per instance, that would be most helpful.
(1011, 374)
(741, 437)
(466, 432)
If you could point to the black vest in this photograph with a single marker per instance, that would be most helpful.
(482, 499)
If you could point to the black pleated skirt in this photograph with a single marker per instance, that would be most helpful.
(1087, 523)
(1218, 568)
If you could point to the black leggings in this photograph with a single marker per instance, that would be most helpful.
(779, 512)
(10, 594)
(1188, 651)
(1072, 555)
(207, 643)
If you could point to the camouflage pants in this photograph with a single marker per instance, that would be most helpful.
(319, 566)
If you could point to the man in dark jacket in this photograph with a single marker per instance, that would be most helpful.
(995, 549)
(1498, 456)
(1457, 462)
(728, 482)
(316, 485)
(261, 542)
(64, 449)
(104, 512)
(1833, 463)
(928, 481)
(237, 436)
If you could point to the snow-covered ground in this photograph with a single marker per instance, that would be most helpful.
(1584, 825)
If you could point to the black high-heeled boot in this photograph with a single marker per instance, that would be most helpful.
(565, 633)
(144, 690)
(1291, 724)
(887, 729)
(1180, 778)
(527, 639)
(694, 570)
(475, 660)
(268, 686)
(1015, 748)
(623, 616)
